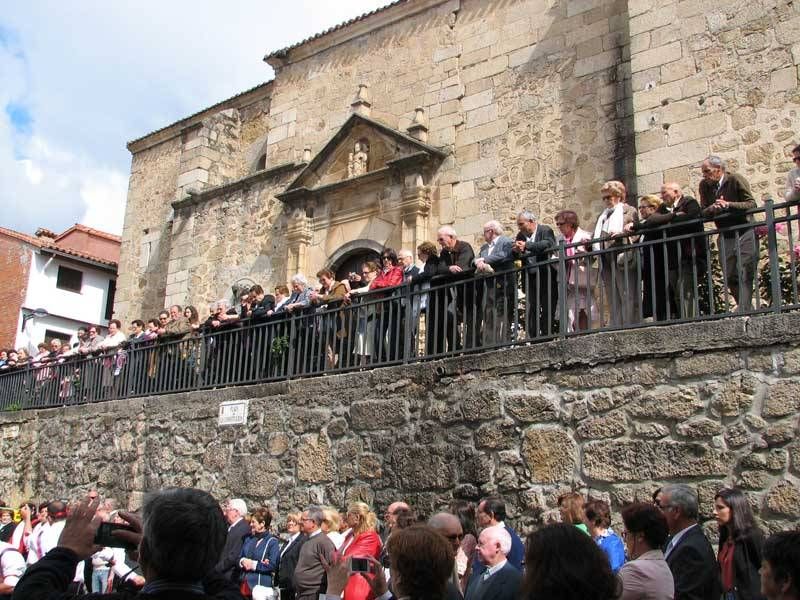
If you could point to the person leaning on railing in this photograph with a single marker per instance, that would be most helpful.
(619, 267)
(581, 273)
(455, 262)
(332, 327)
(496, 289)
(727, 197)
(533, 245)
(428, 254)
(387, 312)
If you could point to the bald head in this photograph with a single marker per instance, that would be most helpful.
(390, 516)
(671, 193)
(450, 527)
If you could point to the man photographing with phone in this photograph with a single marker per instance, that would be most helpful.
(179, 540)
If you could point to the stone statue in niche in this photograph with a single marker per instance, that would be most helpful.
(357, 159)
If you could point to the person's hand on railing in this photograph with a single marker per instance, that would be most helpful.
(455, 269)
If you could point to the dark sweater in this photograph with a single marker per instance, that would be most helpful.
(309, 575)
(49, 578)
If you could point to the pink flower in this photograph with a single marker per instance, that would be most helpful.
(797, 252)
(761, 231)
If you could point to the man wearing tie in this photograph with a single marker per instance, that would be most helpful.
(499, 581)
(688, 553)
(494, 259)
(727, 197)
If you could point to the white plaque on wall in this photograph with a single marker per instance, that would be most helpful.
(233, 412)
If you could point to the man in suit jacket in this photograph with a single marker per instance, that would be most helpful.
(499, 297)
(727, 197)
(688, 553)
(238, 529)
(455, 261)
(534, 244)
(500, 580)
(315, 553)
(410, 270)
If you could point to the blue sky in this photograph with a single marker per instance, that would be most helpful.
(80, 79)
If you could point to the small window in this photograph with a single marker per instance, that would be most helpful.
(69, 279)
(49, 335)
(112, 290)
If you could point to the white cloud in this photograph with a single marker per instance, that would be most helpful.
(93, 75)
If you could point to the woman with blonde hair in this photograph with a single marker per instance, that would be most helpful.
(362, 541)
(330, 526)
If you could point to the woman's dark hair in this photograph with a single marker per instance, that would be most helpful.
(742, 524)
(598, 513)
(423, 558)
(573, 505)
(647, 519)
(195, 317)
(465, 511)
(428, 248)
(138, 323)
(563, 563)
(782, 552)
(116, 322)
(391, 255)
(262, 515)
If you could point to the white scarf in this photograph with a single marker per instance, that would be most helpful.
(610, 222)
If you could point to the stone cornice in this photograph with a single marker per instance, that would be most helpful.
(358, 28)
(239, 184)
(175, 129)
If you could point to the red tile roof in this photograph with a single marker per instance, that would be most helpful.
(46, 244)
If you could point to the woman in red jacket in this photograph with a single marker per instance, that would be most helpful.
(362, 540)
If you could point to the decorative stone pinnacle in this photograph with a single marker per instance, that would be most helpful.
(362, 103)
(418, 128)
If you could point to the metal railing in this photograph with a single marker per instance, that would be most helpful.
(650, 277)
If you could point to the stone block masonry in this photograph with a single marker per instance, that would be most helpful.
(613, 415)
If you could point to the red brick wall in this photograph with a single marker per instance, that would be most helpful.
(15, 258)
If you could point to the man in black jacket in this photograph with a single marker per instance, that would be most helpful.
(179, 539)
(228, 565)
(456, 263)
(533, 245)
(689, 554)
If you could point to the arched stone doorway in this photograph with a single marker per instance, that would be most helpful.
(350, 256)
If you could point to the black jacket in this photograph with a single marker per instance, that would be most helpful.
(694, 567)
(746, 562)
(289, 562)
(49, 578)
(228, 564)
(503, 585)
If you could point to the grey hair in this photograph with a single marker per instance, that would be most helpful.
(300, 279)
(316, 514)
(526, 215)
(684, 497)
(494, 226)
(716, 161)
(183, 533)
(222, 303)
(403, 253)
(447, 230)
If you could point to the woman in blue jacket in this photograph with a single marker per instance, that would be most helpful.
(598, 518)
(260, 552)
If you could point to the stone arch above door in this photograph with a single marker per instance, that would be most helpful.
(362, 249)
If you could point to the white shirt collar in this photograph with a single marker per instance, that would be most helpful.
(677, 538)
(492, 570)
(315, 534)
(232, 525)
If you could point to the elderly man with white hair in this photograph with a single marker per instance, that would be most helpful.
(235, 511)
(456, 261)
(500, 580)
(533, 245)
(495, 260)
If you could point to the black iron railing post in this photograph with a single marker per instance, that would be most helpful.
(562, 289)
(772, 255)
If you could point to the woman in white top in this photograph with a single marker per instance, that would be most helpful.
(646, 575)
(364, 345)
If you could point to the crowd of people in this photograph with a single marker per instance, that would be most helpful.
(184, 544)
(634, 265)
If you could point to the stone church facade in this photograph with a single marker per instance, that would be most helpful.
(430, 112)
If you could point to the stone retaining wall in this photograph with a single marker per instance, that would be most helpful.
(613, 414)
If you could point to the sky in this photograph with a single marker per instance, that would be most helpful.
(80, 79)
